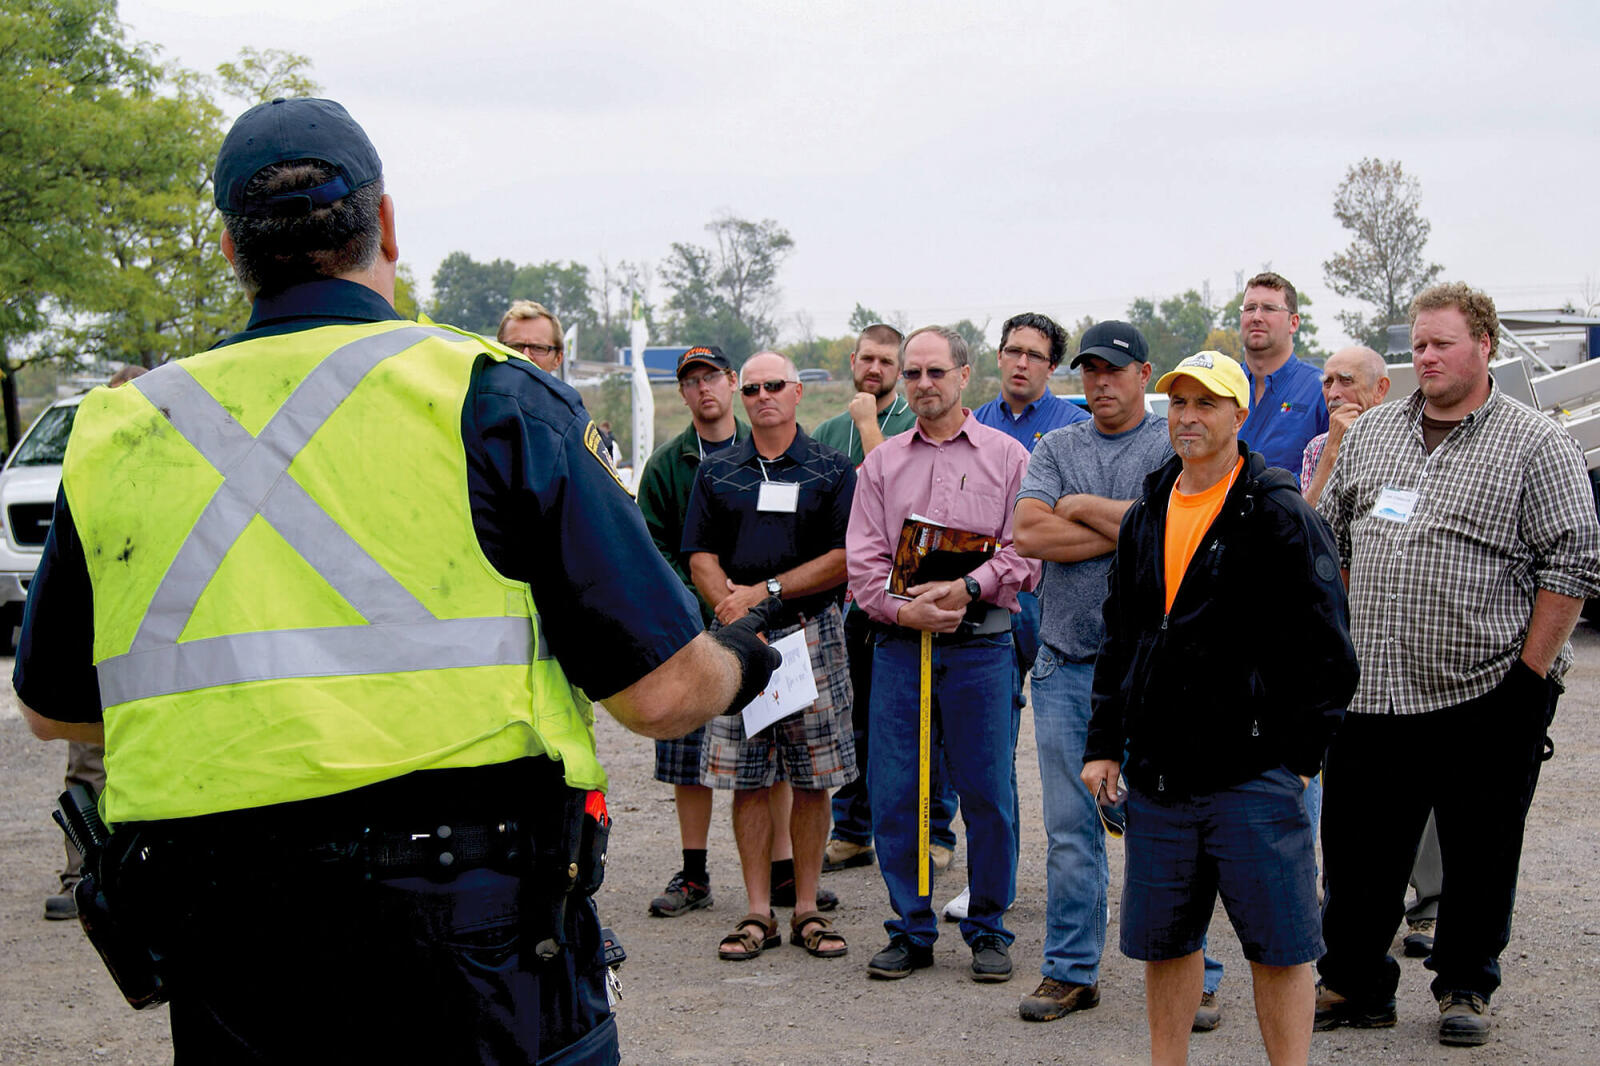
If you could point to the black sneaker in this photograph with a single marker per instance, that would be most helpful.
(991, 959)
(899, 959)
(1333, 1010)
(1463, 1019)
(681, 896)
(783, 896)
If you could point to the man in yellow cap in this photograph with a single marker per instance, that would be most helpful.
(1219, 744)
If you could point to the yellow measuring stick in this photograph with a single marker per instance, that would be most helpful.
(924, 731)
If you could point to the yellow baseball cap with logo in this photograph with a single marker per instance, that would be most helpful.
(1220, 374)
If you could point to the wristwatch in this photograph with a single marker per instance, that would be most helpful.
(974, 590)
(774, 587)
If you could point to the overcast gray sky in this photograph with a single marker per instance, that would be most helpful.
(950, 160)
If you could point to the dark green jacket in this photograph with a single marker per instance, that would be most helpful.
(664, 497)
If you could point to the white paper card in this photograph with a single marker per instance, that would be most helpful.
(791, 689)
(1396, 505)
(778, 496)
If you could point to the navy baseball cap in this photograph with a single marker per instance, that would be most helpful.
(709, 354)
(1118, 343)
(282, 130)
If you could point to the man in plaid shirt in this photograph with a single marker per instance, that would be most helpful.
(1466, 525)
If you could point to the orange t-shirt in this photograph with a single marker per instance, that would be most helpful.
(1188, 518)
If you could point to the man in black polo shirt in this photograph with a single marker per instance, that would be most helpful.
(767, 517)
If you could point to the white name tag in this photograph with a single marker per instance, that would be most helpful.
(1396, 505)
(778, 496)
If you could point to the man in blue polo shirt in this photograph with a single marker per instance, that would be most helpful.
(1286, 404)
(1031, 347)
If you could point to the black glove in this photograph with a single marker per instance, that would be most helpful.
(757, 659)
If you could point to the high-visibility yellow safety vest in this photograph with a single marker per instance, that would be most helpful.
(290, 600)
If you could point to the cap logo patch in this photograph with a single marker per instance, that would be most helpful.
(1201, 359)
(1119, 342)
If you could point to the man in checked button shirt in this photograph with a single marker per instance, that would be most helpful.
(1466, 525)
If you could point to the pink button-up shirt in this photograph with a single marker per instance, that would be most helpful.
(968, 482)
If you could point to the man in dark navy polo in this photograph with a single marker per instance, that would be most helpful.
(1286, 404)
(767, 517)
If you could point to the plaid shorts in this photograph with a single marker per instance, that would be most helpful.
(678, 761)
(812, 748)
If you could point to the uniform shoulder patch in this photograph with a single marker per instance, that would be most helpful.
(591, 441)
(1326, 569)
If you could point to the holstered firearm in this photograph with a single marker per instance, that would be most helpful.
(134, 965)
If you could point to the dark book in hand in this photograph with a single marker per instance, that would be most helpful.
(929, 551)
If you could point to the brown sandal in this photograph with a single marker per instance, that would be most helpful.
(810, 929)
(753, 935)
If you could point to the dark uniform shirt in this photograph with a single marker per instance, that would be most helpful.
(724, 517)
(546, 511)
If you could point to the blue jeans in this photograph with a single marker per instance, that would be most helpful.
(852, 809)
(1077, 874)
(971, 720)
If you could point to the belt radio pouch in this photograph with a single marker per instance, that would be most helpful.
(134, 965)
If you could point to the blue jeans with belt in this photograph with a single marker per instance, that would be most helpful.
(971, 720)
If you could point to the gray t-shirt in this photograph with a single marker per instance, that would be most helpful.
(1081, 459)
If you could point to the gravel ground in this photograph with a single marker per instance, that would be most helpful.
(682, 1006)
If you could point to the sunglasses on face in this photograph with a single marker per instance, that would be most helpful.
(935, 373)
(752, 388)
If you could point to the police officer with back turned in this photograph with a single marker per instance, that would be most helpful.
(330, 594)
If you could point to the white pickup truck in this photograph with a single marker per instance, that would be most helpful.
(28, 484)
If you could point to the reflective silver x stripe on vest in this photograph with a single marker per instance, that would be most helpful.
(402, 634)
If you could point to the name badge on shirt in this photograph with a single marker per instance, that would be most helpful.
(778, 496)
(1396, 505)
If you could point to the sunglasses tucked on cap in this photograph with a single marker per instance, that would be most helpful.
(1220, 374)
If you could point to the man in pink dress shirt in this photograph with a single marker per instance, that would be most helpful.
(951, 469)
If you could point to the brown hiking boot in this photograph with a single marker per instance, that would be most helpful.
(1054, 998)
(1463, 1019)
(1208, 1015)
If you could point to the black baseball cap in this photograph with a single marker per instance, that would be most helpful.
(709, 354)
(1118, 343)
(284, 129)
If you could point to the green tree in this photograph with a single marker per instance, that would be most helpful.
(1383, 265)
(1174, 329)
(258, 75)
(70, 86)
(862, 317)
(405, 291)
(564, 288)
(726, 294)
(471, 294)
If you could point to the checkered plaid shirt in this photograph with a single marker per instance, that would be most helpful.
(1439, 604)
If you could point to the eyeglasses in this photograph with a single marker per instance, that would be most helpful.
(771, 386)
(1011, 351)
(1266, 309)
(699, 381)
(530, 349)
(935, 373)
